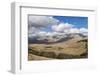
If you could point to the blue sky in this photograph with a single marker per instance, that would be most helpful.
(78, 22)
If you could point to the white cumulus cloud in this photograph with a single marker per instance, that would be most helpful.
(83, 30)
(74, 30)
(42, 21)
(61, 27)
(68, 28)
(36, 23)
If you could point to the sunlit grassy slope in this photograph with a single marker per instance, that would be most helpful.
(72, 49)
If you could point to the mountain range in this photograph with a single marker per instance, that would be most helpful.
(47, 39)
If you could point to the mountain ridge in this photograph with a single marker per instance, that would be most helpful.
(55, 39)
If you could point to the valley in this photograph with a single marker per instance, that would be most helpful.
(73, 48)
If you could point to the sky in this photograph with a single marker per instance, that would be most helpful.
(48, 25)
(78, 22)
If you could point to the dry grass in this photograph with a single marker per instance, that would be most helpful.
(36, 57)
(65, 50)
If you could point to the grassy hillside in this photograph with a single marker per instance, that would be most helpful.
(72, 49)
